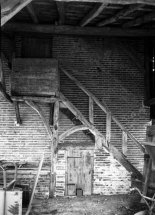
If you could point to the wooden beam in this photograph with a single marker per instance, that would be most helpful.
(32, 13)
(75, 30)
(35, 184)
(140, 20)
(108, 128)
(150, 102)
(94, 12)
(124, 142)
(91, 110)
(2, 79)
(35, 99)
(51, 114)
(9, 8)
(104, 107)
(123, 2)
(118, 155)
(55, 144)
(124, 12)
(35, 107)
(71, 131)
(61, 11)
(4, 94)
(17, 113)
(147, 177)
(133, 57)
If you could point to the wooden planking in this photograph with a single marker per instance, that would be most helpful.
(122, 13)
(124, 142)
(18, 119)
(34, 77)
(32, 13)
(140, 20)
(75, 30)
(94, 12)
(133, 57)
(108, 128)
(91, 110)
(9, 8)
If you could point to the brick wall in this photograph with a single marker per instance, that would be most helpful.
(111, 76)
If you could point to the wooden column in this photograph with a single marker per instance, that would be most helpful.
(108, 128)
(91, 109)
(124, 142)
(18, 119)
(54, 148)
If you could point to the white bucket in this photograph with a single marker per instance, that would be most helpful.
(13, 202)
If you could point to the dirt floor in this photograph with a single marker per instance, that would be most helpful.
(90, 205)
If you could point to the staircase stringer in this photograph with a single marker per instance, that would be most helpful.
(112, 149)
(104, 108)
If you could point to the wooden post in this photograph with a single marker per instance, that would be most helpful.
(54, 147)
(17, 113)
(108, 128)
(51, 114)
(124, 142)
(91, 109)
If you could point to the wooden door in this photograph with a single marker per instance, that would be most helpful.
(79, 171)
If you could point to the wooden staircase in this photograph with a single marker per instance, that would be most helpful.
(83, 124)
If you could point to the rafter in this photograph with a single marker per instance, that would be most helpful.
(124, 12)
(61, 11)
(9, 8)
(123, 2)
(140, 20)
(73, 30)
(32, 13)
(94, 12)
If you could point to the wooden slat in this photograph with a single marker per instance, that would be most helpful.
(71, 131)
(122, 13)
(94, 12)
(18, 119)
(104, 107)
(91, 110)
(75, 30)
(32, 13)
(140, 20)
(133, 57)
(108, 128)
(124, 142)
(9, 8)
(118, 155)
(61, 11)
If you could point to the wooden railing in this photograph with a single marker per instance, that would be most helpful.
(109, 117)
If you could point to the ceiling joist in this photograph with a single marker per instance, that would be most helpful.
(140, 20)
(122, 13)
(32, 13)
(72, 30)
(94, 12)
(9, 8)
(123, 2)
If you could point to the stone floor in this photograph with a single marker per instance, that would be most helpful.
(89, 205)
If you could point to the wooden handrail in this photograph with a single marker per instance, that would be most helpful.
(104, 107)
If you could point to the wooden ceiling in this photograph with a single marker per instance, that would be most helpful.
(123, 15)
